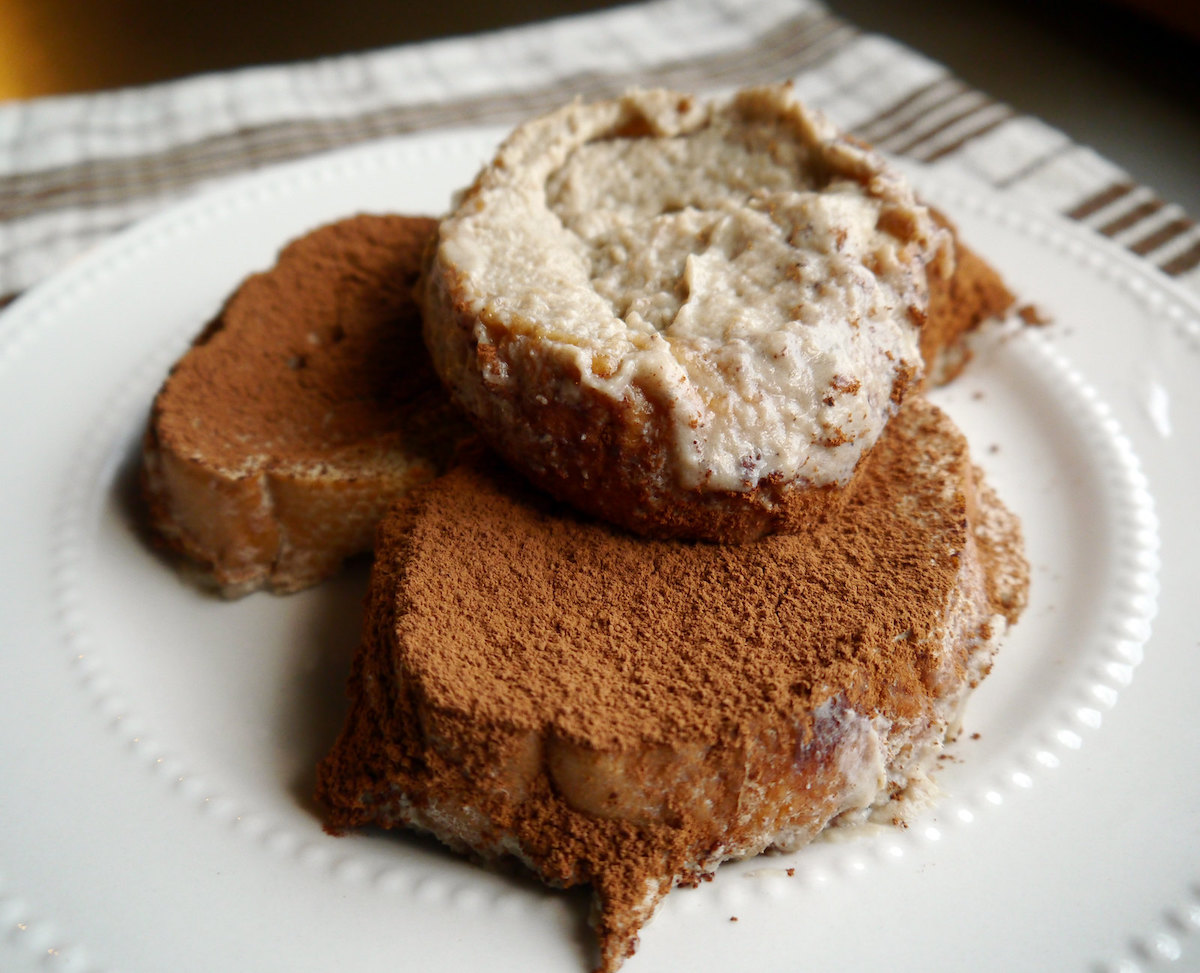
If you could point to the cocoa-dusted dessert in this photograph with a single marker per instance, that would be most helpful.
(629, 713)
(691, 318)
(282, 435)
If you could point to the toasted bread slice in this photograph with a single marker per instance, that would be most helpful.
(972, 293)
(301, 412)
(694, 319)
(630, 713)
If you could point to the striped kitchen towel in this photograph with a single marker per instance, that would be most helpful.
(76, 169)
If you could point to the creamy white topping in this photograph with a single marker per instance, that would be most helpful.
(741, 265)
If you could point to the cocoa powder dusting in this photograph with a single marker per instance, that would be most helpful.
(321, 353)
(530, 679)
(617, 641)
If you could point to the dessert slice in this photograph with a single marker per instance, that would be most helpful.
(281, 436)
(630, 713)
(690, 318)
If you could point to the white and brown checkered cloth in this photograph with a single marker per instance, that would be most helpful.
(74, 170)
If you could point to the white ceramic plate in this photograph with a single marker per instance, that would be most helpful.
(158, 744)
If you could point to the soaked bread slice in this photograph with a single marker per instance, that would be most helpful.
(301, 412)
(629, 713)
(694, 319)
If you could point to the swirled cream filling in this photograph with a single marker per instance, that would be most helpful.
(741, 265)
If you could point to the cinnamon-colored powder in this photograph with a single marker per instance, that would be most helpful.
(321, 353)
(283, 434)
(626, 712)
(520, 611)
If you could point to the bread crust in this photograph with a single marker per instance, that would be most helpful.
(609, 457)
(285, 431)
(958, 303)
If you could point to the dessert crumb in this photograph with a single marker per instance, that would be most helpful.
(791, 872)
(733, 918)
(1033, 315)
